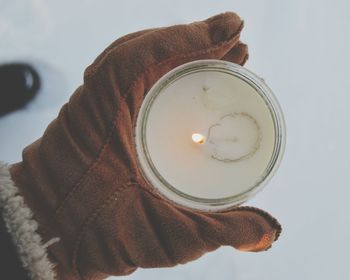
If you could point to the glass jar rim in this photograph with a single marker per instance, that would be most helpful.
(150, 172)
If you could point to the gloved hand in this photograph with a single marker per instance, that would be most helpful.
(82, 181)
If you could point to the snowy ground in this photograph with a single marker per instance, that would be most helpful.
(300, 47)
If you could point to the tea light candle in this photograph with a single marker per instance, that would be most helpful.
(209, 135)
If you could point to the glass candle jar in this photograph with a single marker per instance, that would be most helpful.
(209, 135)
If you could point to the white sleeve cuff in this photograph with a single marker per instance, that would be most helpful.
(23, 229)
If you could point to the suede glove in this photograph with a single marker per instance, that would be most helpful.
(82, 181)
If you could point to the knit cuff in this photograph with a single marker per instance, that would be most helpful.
(22, 227)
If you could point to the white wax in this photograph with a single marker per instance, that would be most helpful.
(236, 123)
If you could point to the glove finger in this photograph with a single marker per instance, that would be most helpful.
(132, 68)
(238, 54)
(245, 228)
(176, 235)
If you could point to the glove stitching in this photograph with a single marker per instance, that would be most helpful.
(91, 218)
(167, 252)
(87, 172)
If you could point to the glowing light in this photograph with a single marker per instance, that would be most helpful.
(198, 138)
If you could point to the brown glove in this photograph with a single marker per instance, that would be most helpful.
(82, 180)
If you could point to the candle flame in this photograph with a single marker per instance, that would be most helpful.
(198, 138)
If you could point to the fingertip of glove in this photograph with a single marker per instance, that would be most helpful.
(262, 244)
(225, 26)
(224, 17)
(265, 226)
(238, 54)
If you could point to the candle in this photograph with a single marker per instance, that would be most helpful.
(209, 135)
